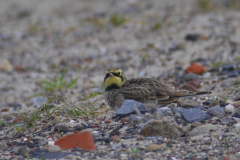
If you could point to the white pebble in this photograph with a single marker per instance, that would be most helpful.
(72, 121)
(51, 143)
(207, 75)
(229, 108)
(25, 139)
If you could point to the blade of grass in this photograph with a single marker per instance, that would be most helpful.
(72, 83)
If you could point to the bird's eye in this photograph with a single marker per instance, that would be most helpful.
(118, 73)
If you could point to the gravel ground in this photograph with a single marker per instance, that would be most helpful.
(41, 39)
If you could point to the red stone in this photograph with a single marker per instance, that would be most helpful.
(83, 140)
(195, 68)
(17, 119)
(95, 126)
(108, 121)
(76, 131)
(225, 158)
(124, 121)
(5, 110)
(101, 119)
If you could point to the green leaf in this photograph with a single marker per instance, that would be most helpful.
(72, 83)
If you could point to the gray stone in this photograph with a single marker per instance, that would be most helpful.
(148, 116)
(193, 114)
(54, 148)
(227, 119)
(127, 109)
(203, 129)
(158, 115)
(22, 150)
(38, 101)
(164, 110)
(137, 119)
(165, 129)
(63, 127)
(216, 111)
(190, 76)
(229, 108)
(79, 127)
(187, 103)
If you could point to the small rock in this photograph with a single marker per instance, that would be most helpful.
(237, 126)
(148, 116)
(79, 127)
(165, 110)
(228, 68)
(216, 111)
(153, 147)
(229, 108)
(227, 119)
(153, 110)
(207, 75)
(83, 140)
(203, 129)
(192, 37)
(230, 102)
(22, 150)
(115, 138)
(6, 66)
(127, 109)
(38, 101)
(195, 68)
(158, 115)
(161, 128)
(187, 103)
(197, 124)
(236, 114)
(190, 76)
(107, 121)
(54, 148)
(193, 114)
(30, 144)
(177, 115)
(63, 127)
(137, 119)
(124, 120)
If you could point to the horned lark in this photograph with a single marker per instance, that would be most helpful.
(144, 90)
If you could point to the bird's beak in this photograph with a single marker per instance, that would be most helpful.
(110, 74)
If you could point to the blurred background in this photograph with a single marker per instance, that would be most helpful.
(43, 41)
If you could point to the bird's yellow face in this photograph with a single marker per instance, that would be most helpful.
(114, 77)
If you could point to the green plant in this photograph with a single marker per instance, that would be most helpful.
(157, 26)
(117, 19)
(28, 121)
(217, 64)
(58, 83)
(204, 4)
(34, 27)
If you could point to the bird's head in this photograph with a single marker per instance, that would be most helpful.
(114, 77)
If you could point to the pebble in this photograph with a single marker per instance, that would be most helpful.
(229, 108)
(22, 150)
(54, 148)
(158, 115)
(153, 147)
(190, 76)
(127, 109)
(216, 111)
(137, 119)
(193, 114)
(160, 128)
(38, 101)
(63, 127)
(187, 103)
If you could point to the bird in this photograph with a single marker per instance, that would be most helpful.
(144, 90)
